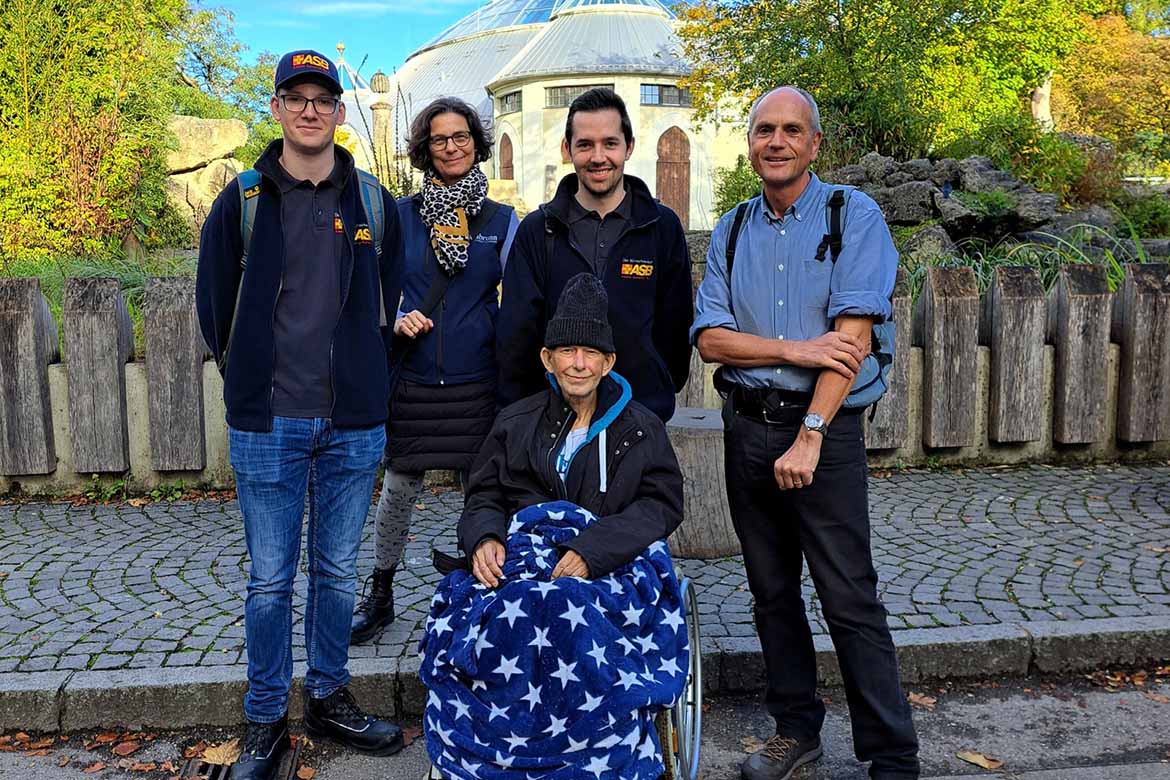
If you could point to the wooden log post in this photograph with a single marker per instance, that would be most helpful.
(1081, 324)
(950, 334)
(98, 344)
(697, 436)
(174, 372)
(890, 424)
(26, 418)
(1143, 400)
(1017, 315)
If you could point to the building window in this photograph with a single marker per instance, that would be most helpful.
(510, 102)
(665, 95)
(561, 97)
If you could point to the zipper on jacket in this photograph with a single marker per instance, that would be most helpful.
(558, 442)
(439, 348)
(272, 323)
(344, 297)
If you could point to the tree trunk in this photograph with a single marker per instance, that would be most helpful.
(1042, 104)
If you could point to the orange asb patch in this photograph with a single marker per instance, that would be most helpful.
(634, 270)
(310, 61)
(337, 226)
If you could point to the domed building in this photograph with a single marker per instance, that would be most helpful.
(522, 62)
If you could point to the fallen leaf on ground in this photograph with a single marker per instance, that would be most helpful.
(410, 734)
(978, 759)
(106, 738)
(922, 701)
(95, 767)
(39, 752)
(224, 753)
(752, 744)
(41, 743)
(1158, 697)
(1155, 549)
(306, 773)
(136, 502)
(195, 750)
(63, 761)
(125, 748)
(141, 767)
(168, 766)
(420, 506)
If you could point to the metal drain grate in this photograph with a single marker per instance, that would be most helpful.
(198, 769)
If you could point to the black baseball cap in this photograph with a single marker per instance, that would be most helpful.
(307, 64)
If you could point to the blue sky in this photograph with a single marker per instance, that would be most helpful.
(385, 30)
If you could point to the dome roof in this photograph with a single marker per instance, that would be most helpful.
(499, 14)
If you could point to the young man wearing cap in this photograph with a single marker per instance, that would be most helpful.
(293, 322)
(605, 222)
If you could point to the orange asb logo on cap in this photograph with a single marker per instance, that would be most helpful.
(310, 61)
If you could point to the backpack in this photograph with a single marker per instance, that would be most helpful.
(874, 377)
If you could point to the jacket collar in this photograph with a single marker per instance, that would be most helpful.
(269, 165)
(613, 396)
(643, 207)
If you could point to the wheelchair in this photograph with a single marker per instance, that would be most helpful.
(680, 728)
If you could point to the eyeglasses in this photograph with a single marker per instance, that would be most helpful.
(298, 103)
(461, 139)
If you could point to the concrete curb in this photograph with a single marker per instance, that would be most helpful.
(212, 696)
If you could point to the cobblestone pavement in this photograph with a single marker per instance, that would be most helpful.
(120, 587)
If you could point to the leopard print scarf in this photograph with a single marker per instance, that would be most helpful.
(446, 210)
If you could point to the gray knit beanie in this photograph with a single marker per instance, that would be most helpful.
(582, 316)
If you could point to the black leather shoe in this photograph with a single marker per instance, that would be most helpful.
(338, 717)
(376, 610)
(264, 746)
(779, 758)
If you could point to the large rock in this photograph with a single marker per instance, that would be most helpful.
(919, 170)
(877, 167)
(979, 174)
(907, 204)
(1156, 247)
(507, 192)
(1036, 208)
(946, 171)
(202, 141)
(957, 218)
(898, 178)
(193, 193)
(852, 175)
(930, 242)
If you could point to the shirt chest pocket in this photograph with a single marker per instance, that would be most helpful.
(814, 296)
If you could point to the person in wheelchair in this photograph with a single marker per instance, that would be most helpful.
(566, 637)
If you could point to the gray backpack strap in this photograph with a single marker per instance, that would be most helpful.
(371, 192)
(249, 181)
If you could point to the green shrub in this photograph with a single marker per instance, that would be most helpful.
(736, 184)
(993, 204)
(1147, 215)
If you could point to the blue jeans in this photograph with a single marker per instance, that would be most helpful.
(337, 468)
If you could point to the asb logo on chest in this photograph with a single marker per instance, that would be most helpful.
(637, 269)
(361, 235)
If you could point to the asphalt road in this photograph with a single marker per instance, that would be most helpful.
(1070, 730)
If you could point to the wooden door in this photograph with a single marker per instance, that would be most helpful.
(673, 186)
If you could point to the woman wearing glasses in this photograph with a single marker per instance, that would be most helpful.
(455, 242)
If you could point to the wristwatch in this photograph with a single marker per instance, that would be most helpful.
(814, 422)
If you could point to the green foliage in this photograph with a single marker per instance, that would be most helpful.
(896, 76)
(1147, 215)
(735, 184)
(82, 122)
(995, 203)
(105, 489)
(168, 492)
(1146, 154)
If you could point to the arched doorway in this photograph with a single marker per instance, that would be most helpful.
(673, 184)
(506, 157)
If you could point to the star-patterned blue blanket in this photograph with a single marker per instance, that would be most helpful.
(560, 679)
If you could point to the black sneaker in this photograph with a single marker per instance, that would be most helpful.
(779, 758)
(376, 610)
(338, 717)
(264, 746)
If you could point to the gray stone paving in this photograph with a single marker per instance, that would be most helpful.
(120, 587)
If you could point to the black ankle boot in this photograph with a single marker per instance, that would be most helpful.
(338, 717)
(376, 611)
(264, 746)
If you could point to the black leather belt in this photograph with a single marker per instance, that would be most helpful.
(770, 405)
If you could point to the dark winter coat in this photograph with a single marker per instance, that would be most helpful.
(648, 279)
(634, 488)
(360, 348)
(444, 401)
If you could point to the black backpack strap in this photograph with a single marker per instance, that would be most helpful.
(732, 240)
(835, 219)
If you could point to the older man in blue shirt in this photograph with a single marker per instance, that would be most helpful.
(792, 329)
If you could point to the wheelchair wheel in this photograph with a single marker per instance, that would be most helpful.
(680, 730)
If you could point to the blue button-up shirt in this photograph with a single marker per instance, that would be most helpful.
(782, 291)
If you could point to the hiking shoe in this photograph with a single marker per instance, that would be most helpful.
(264, 746)
(338, 717)
(376, 610)
(780, 757)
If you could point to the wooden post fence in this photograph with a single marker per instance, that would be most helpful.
(27, 344)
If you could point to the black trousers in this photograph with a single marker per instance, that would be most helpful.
(827, 525)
